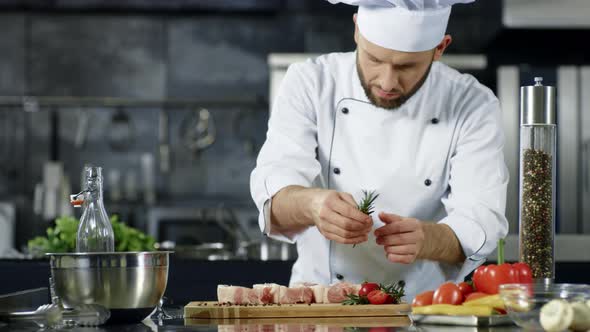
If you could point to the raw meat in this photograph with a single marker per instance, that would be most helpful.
(301, 294)
(236, 295)
(267, 293)
(338, 292)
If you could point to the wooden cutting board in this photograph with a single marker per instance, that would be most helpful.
(209, 310)
(380, 321)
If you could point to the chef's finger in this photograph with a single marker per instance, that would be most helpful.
(347, 210)
(397, 239)
(347, 223)
(388, 218)
(407, 249)
(348, 199)
(396, 227)
(336, 229)
(340, 239)
(403, 259)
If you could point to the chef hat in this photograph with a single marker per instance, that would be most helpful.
(403, 25)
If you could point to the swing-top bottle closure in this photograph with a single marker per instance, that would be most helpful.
(537, 104)
(77, 200)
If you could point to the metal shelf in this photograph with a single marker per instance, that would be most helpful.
(146, 5)
(36, 103)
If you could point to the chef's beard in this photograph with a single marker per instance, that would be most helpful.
(389, 104)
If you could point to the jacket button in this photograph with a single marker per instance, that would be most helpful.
(427, 182)
(434, 121)
(345, 110)
(336, 170)
(339, 276)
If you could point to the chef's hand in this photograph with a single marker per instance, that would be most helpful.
(402, 238)
(337, 217)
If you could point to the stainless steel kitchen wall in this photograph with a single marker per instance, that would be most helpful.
(573, 133)
(163, 51)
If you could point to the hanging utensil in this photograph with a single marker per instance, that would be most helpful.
(198, 131)
(81, 131)
(121, 132)
(8, 142)
(163, 141)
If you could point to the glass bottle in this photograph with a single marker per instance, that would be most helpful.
(537, 179)
(95, 233)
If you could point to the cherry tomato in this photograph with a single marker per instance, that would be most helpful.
(378, 296)
(423, 299)
(523, 272)
(475, 296)
(465, 288)
(367, 287)
(448, 293)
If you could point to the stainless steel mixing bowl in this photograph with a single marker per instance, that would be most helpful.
(130, 284)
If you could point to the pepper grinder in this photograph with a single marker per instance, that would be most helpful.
(537, 179)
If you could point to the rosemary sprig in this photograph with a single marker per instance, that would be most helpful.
(366, 205)
(395, 290)
(355, 299)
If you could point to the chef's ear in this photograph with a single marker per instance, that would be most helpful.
(440, 48)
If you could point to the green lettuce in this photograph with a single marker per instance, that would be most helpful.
(62, 237)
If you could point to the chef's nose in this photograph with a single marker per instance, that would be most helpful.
(389, 79)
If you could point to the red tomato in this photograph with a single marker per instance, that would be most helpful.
(477, 277)
(500, 311)
(475, 296)
(447, 293)
(367, 287)
(465, 288)
(378, 296)
(423, 299)
(492, 276)
(523, 272)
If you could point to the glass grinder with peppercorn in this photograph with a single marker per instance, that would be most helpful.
(537, 179)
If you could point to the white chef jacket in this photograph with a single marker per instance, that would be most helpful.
(436, 158)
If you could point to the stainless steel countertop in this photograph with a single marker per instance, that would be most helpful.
(272, 325)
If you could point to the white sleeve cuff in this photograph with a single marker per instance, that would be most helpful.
(470, 234)
(265, 227)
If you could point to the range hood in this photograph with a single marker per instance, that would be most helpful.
(543, 14)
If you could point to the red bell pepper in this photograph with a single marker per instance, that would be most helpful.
(488, 278)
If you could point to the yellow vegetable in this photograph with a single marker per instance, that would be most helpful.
(491, 300)
(458, 310)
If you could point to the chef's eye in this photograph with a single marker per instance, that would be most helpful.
(405, 66)
(373, 59)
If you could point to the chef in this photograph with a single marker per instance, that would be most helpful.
(389, 118)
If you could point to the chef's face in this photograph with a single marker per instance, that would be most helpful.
(391, 77)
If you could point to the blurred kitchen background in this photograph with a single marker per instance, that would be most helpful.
(172, 98)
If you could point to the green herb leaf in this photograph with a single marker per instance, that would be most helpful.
(355, 299)
(366, 205)
(395, 290)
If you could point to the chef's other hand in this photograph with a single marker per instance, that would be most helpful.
(337, 217)
(402, 238)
